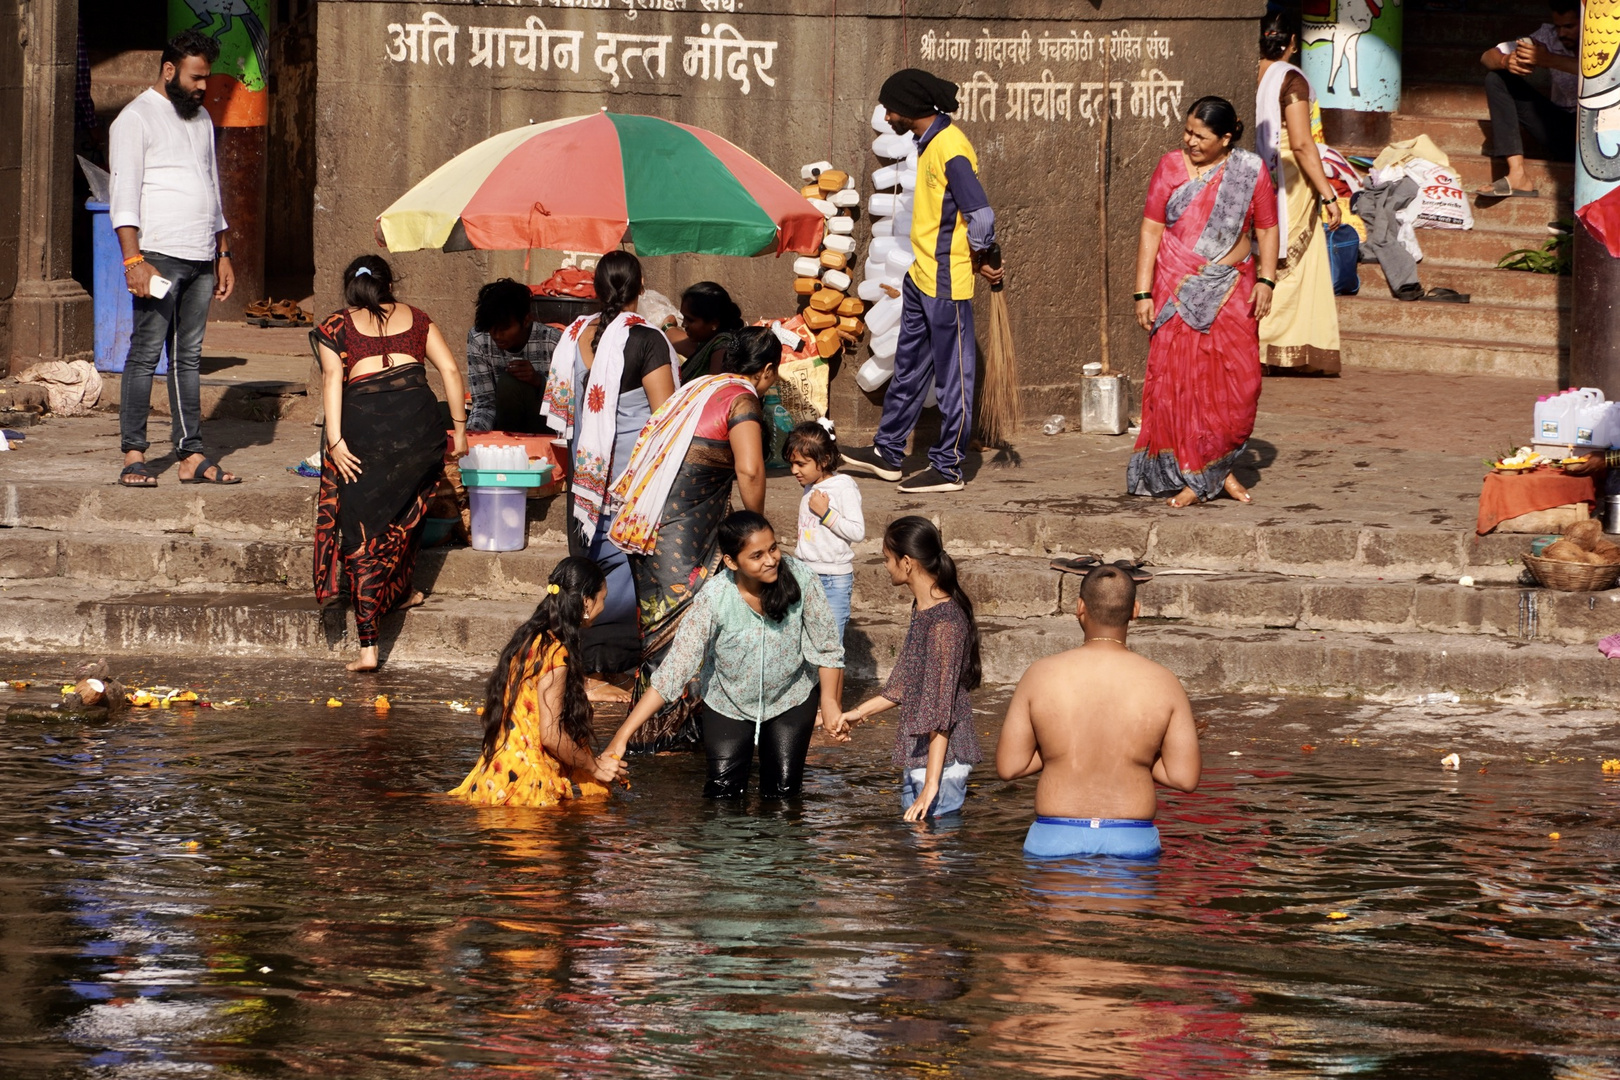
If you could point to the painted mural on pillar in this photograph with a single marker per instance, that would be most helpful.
(238, 92)
(1597, 166)
(1352, 53)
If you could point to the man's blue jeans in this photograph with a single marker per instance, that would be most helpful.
(179, 319)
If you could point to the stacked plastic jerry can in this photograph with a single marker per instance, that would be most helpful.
(889, 257)
(831, 313)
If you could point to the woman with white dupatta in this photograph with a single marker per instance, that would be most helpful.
(609, 373)
(668, 506)
(1300, 334)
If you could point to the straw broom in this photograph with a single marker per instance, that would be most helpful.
(999, 406)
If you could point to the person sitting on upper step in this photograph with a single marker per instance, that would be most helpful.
(1517, 106)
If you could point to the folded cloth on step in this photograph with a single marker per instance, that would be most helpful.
(1610, 646)
(1509, 495)
(73, 386)
(1399, 153)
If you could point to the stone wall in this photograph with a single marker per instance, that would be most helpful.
(394, 102)
(11, 137)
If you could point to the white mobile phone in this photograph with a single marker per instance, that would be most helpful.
(158, 286)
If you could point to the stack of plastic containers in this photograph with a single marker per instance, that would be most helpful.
(890, 255)
(831, 314)
(498, 479)
(1578, 416)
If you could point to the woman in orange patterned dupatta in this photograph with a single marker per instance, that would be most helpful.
(669, 503)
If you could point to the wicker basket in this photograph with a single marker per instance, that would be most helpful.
(1572, 577)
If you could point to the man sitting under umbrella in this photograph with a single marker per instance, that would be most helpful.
(508, 355)
(952, 226)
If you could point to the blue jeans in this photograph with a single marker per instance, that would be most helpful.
(936, 346)
(179, 319)
(952, 789)
(839, 588)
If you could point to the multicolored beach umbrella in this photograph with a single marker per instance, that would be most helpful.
(587, 183)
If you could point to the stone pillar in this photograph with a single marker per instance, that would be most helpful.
(51, 317)
(1353, 59)
(1594, 346)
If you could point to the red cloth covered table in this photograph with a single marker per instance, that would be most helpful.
(1507, 495)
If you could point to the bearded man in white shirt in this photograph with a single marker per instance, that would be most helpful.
(166, 208)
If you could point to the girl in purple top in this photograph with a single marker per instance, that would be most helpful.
(935, 746)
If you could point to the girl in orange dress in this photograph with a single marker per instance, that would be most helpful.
(537, 719)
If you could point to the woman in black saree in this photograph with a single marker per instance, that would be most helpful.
(384, 450)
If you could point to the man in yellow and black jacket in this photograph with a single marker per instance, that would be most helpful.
(952, 226)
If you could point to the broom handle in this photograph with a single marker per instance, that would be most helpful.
(1103, 163)
(992, 259)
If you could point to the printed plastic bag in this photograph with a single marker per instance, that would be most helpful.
(1441, 201)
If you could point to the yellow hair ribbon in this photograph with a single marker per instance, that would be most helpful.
(553, 589)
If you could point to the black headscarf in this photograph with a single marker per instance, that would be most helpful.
(916, 93)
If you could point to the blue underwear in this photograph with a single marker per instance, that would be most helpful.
(1061, 837)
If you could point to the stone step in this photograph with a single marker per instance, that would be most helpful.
(1459, 134)
(1012, 588)
(36, 619)
(113, 549)
(1299, 548)
(1482, 283)
(1444, 99)
(212, 513)
(1395, 352)
(1007, 540)
(1376, 312)
(1554, 179)
(186, 563)
(1482, 245)
(1530, 219)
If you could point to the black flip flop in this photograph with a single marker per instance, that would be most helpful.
(137, 468)
(1440, 295)
(1500, 189)
(1134, 569)
(201, 475)
(1410, 291)
(1077, 566)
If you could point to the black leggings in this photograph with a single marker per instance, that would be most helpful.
(783, 741)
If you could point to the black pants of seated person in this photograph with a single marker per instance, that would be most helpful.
(1518, 108)
(783, 742)
(517, 406)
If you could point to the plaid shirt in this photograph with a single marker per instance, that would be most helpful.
(486, 363)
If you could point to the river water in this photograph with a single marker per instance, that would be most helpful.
(277, 891)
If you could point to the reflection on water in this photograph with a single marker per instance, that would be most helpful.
(279, 892)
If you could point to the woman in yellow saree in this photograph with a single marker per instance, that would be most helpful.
(1301, 332)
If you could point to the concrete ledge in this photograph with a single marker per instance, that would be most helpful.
(55, 617)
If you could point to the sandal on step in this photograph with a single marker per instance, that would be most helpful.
(1440, 295)
(201, 475)
(289, 312)
(148, 478)
(1134, 568)
(1501, 189)
(1077, 566)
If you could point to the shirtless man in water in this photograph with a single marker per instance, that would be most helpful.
(1101, 725)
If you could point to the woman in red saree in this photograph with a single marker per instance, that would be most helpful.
(1199, 297)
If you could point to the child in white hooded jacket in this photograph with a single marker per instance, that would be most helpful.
(830, 518)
